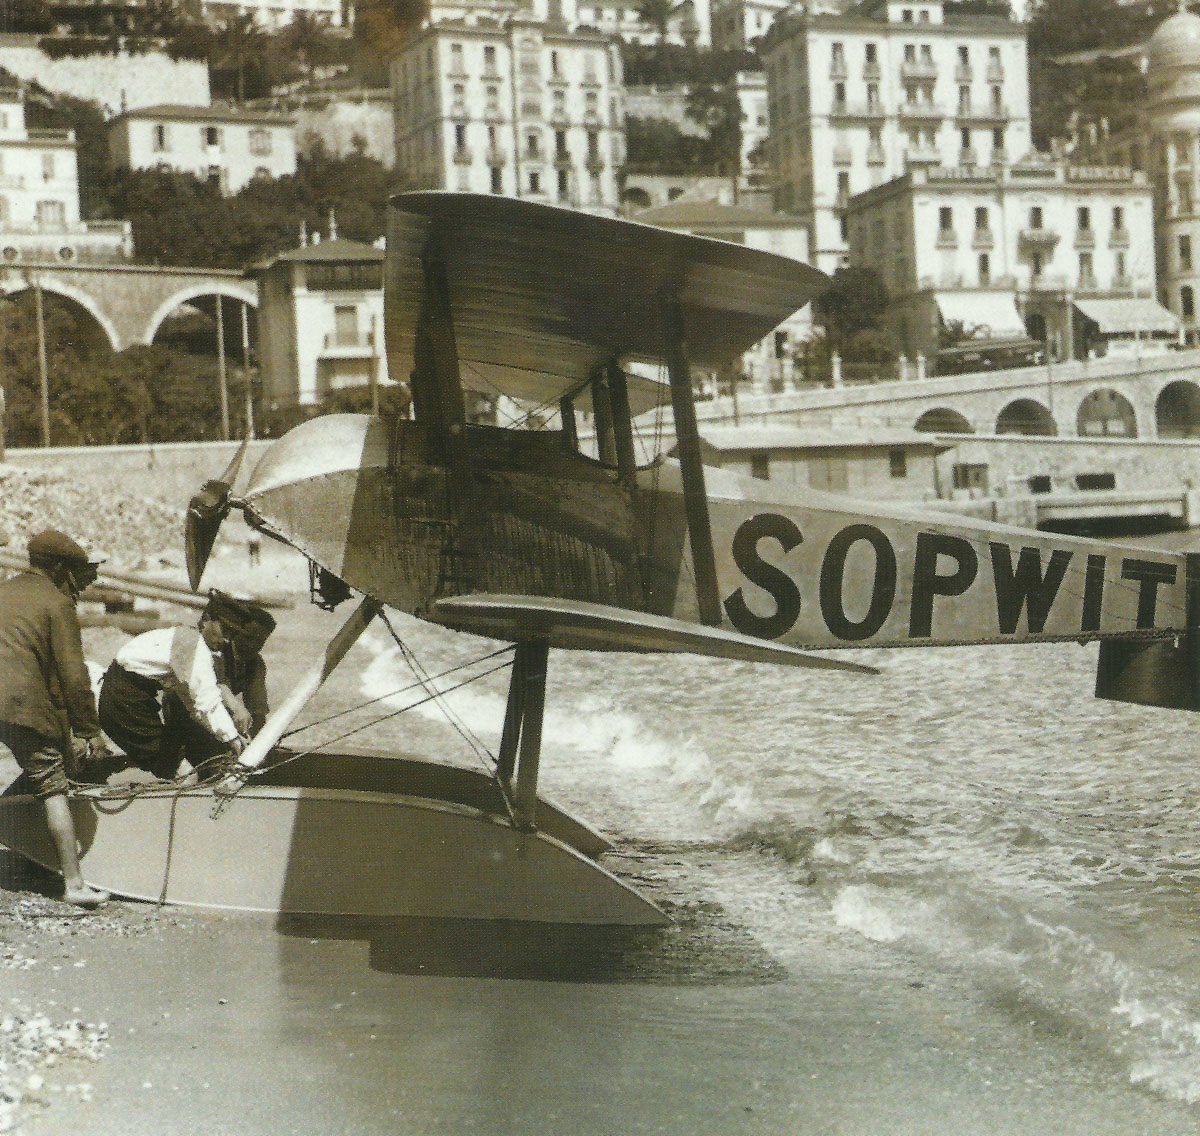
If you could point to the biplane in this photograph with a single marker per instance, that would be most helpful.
(548, 539)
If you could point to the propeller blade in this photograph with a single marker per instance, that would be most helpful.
(206, 510)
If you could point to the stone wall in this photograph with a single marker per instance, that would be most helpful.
(113, 81)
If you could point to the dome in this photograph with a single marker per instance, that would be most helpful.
(1176, 43)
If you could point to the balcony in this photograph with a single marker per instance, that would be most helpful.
(1119, 238)
(594, 163)
(348, 345)
(923, 156)
(1087, 282)
(989, 115)
(999, 156)
(995, 72)
(968, 157)
(1039, 238)
(872, 71)
(496, 156)
(876, 156)
(918, 69)
(922, 111)
(562, 159)
(51, 135)
(12, 181)
(1123, 284)
(1048, 282)
(856, 110)
(962, 73)
(837, 69)
(842, 154)
(462, 155)
(559, 115)
(1085, 238)
(983, 239)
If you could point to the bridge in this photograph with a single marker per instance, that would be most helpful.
(128, 303)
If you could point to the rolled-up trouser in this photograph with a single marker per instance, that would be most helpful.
(43, 760)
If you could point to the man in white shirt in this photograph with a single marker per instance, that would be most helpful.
(155, 672)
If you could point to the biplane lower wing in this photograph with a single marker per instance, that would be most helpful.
(597, 627)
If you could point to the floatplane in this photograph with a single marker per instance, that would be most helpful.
(527, 536)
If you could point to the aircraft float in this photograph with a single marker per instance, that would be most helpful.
(520, 535)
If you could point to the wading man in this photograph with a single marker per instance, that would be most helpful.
(45, 693)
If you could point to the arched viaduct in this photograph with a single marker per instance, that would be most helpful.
(1151, 397)
(128, 302)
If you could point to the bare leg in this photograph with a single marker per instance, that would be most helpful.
(62, 832)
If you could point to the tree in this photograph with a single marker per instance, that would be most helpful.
(656, 13)
(717, 108)
(855, 301)
(238, 45)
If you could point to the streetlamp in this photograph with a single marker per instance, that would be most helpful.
(43, 368)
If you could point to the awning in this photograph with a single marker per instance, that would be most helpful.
(983, 315)
(1138, 313)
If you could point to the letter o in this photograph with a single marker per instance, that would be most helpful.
(833, 571)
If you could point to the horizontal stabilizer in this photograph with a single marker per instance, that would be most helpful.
(596, 627)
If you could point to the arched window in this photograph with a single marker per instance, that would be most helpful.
(1026, 416)
(1106, 413)
(943, 420)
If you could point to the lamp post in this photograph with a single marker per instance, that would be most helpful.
(43, 367)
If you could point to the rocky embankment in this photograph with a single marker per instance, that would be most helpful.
(125, 528)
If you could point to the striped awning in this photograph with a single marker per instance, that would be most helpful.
(1129, 315)
(983, 315)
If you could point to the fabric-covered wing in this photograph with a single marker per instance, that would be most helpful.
(541, 295)
(596, 627)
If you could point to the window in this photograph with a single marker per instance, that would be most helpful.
(532, 145)
(897, 463)
(497, 179)
(872, 53)
(489, 59)
(1185, 253)
(1035, 264)
(47, 167)
(160, 137)
(51, 214)
(1096, 480)
(535, 182)
(560, 144)
(970, 475)
(554, 68)
(873, 96)
(1084, 218)
(564, 183)
(839, 94)
(460, 137)
(964, 55)
(964, 99)
(260, 141)
(907, 16)
(760, 466)
(216, 176)
(560, 103)
(838, 55)
(345, 322)
(1187, 302)
(212, 135)
(843, 186)
(997, 98)
(981, 219)
(910, 53)
(985, 268)
(946, 219)
(997, 140)
(456, 59)
(964, 137)
(493, 99)
(1085, 268)
(593, 145)
(1035, 217)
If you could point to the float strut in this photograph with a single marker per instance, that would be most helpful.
(529, 678)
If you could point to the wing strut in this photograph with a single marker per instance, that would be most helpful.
(687, 443)
(523, 729)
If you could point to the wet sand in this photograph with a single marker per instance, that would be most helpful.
(222, 1024)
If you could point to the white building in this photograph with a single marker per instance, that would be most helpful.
(39, 196)
(1165, 143)
(1042, 250)
(689, 22)
(275, 14)
(226, 146)
(740, 24)
(769, 364)
(517, 109)
(751, 89)
(858, 99)
(320, 320)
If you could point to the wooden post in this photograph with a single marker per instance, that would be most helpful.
(566, 411)
(687, 448)
(374, 366)
(246, 371)
(222, 378)
(43, 367)
(622, 420)
(537, 656)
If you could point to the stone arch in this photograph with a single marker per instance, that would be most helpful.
(943, 420)
(52, 285)
(1177, 410)
(1026, 416)
(1106, 413)
(246, 295)
(636, 197)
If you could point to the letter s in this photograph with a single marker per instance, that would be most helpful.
(778, 584)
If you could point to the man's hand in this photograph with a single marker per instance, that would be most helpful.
(239, 744)
(97, 748)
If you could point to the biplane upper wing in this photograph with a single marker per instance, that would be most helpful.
(540, 296)
(597, 627)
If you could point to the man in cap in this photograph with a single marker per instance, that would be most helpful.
(162, 703)
(241, 670)
(45, 692)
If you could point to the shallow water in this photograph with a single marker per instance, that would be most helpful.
(972, 820)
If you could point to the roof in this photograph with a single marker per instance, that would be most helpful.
(540, 296)
(737, 439)
(1176, 42)
(714, 215)
(338, 250)
(1137, 313)
(179, 112)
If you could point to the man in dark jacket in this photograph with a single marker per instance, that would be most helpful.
(45, 692)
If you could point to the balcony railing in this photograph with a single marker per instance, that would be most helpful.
(876, 156)
(872, 71)
(594, 163)
(918, 69)
(1119, 238)
(496, 156)
(349, 341)
(962, 73)
(1039, 238)
(1085, 238)
(845, 109)
(989, 114)
(837, 69)
(51, 135)
(947, 239)
(968, 157)
(842, 154)
(1048, 282)
(462, 155)
(1122, 284)
(562, 159)
(983, 239)
(923, 156)
(12, 181)
(1087, 282)
(995, 72)
(922, 110)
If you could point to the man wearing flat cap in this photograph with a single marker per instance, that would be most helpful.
(45, 692)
